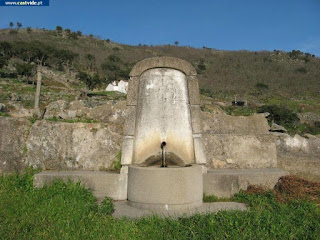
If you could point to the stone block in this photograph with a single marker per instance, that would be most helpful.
(129, 127)
(193, 90)
(127, 150)
(218, 122)
(13, 134)
(243, 151)
(199, 149)
(162, 62)
(195, 113)
(101, 183)
(133, 91)
(227, 182)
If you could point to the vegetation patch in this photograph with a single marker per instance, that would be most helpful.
(69, 211)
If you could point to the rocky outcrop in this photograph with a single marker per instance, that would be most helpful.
(218, 122)
(107, 111)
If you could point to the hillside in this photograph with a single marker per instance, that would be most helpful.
(72, 63)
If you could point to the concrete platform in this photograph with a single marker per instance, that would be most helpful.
(218, 182)
(101, 183)
(227, 182)
(123, 209)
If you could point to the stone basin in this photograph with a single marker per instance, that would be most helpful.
(170, 188)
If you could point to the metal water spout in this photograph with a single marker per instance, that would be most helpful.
(163, 147)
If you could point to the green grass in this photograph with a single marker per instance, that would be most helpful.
(69, 211)
(3, 114)
(55, 119)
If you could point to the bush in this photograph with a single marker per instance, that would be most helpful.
(280, 115)
(302, 70)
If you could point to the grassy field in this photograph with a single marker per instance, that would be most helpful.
(68, 211)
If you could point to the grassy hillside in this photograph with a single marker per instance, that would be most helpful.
(74, 61)
(223, 72)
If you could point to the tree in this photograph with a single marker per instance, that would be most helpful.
(59, 30)
(29, 30)
(25, 69)
(67, 30)
(201, 66)
(79, 33)
(90, 81)
(73, 35)
(176, 43)
(11, 24)
(19, 25)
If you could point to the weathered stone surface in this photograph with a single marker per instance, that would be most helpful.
(170, 189)
(13, 134)
(227, 182)
(221, 123)
(277, 128)
(199, 150)
(163, 115)
(193, 90)
(130, 123)
(62, 146)
(110, 111)
(133, 91)
(241, 151)
(196, 122)
(299, 155)
(123, 209)
(163, 62)
(127, 150)
(101, 183)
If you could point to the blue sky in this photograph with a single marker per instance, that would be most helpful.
(225, 24)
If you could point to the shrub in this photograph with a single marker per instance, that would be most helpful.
(280, 115)
(301, 70)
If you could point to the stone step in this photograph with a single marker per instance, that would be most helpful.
(123, 209)
(227, 182)
(218, 182)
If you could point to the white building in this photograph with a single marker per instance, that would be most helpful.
(121, 86)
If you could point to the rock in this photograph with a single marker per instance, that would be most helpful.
(218, 164)
(20, 112)
(15, 97)
(57, 109)
(3, 107)
(277, 128)
(108, 111)
(218, 122)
